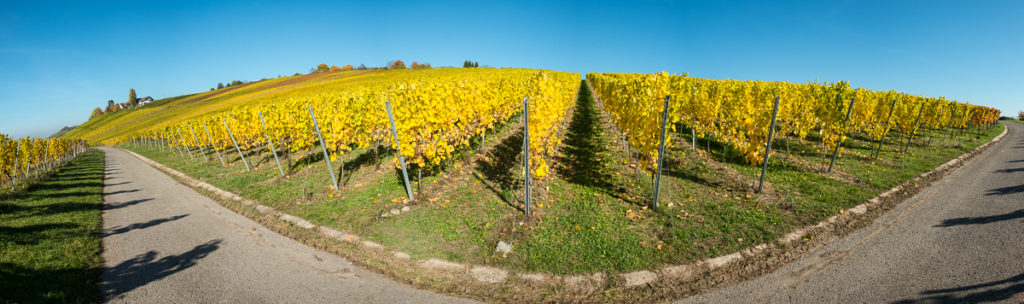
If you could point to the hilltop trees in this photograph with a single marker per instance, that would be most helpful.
(132, 100)
(397, 64)
(416, 65)
(321, 68)
(95, 112)
(470, 64)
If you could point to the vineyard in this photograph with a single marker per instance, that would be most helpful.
(104, 129)
(30, 158)
(435, 114)
(449, 180)
(739, 112)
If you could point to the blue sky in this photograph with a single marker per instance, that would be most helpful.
(59, 60)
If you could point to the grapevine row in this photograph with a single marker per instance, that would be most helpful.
(436, 112)
(28, 157)
(739, 112)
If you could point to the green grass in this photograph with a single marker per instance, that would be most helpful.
(50, 236)
(590, 214)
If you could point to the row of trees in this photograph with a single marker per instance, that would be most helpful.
(392, 65)
(220, 85)
(398, 64)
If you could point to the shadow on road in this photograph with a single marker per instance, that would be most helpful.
(119, 192)
(1013, 290)
(1010, 170)
(982, 220)
(144, 269)
(1006, 190)
(124, 204)
(117, 184)
(123, 229)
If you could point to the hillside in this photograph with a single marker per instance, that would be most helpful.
(100, 130)
(60, 132)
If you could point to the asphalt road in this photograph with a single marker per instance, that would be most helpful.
(959, 241)
(165, 243)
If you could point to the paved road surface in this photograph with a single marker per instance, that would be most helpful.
(165, 243)
(961, 240)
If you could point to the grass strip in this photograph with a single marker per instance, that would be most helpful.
(50, 236)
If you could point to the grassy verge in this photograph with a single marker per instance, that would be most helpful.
(50, 236)
(591, 214)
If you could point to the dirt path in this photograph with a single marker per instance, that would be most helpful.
(165, 243)
(959, 241)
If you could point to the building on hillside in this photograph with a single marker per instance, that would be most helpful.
(123, 105)
(145, 100)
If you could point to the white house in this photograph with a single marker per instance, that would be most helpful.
(145, 100)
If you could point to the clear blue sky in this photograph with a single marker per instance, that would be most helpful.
(58, 61)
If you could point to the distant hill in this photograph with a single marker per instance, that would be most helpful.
(63, 130)
(105, 128)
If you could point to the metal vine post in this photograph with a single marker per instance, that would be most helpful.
(201, 150)
(185, 144)
(526, 155)
(398, 147)
(272, 150)
(661, 154)
(840, 143)
(327, 157)
(210, 138)
(236, 145)
(768, 145)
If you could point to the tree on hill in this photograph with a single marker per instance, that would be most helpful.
(335, 68)
(220, 85)
(470, 64)
(361, 67)
(95, 112)
(347, 67)
(397, 64)
(235, 82)
(416, 65)
(321, 68)
(132, 100)
(111, 107)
